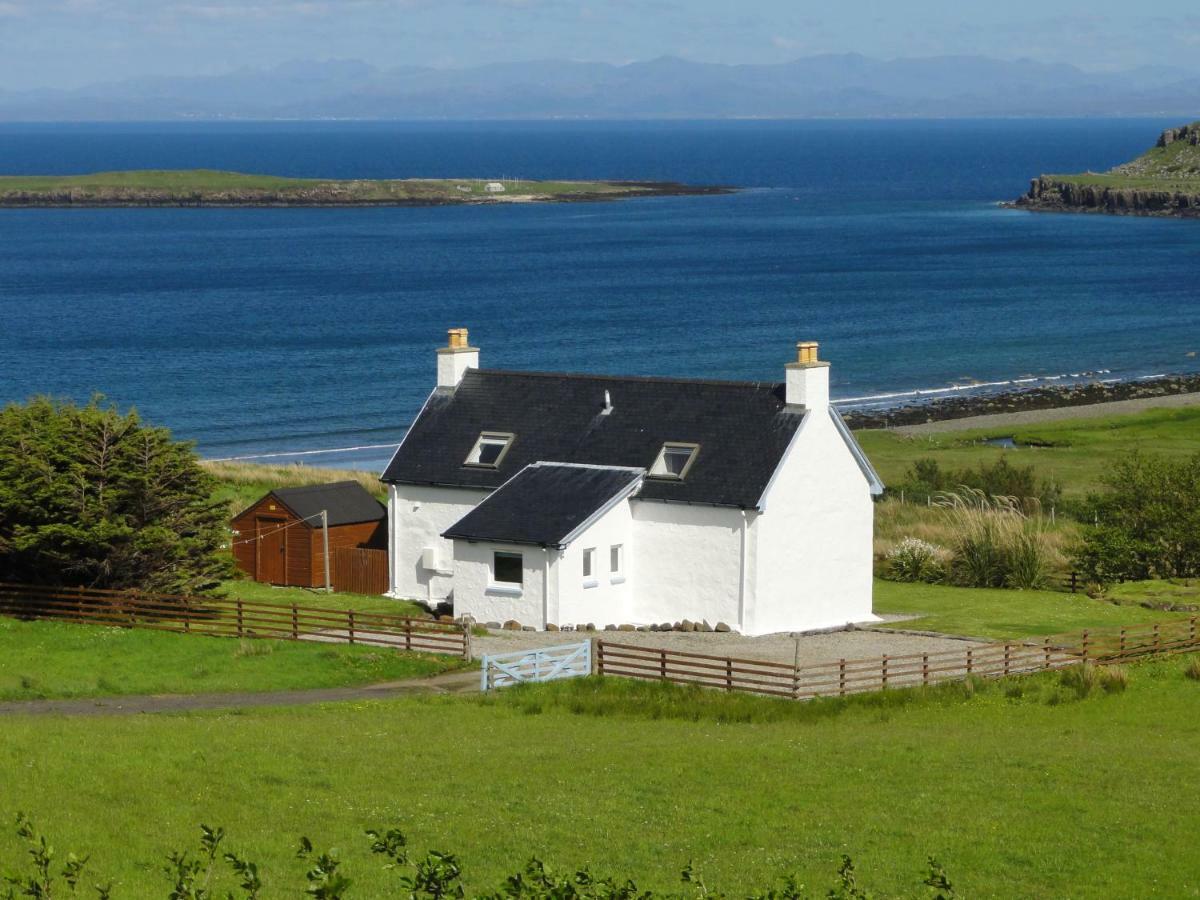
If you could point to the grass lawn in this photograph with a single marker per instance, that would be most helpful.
(1019, 789)
(266, 593)
(1000, 614)
(1074, 452)
(58, 659)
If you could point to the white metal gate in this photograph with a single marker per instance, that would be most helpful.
(542, 664)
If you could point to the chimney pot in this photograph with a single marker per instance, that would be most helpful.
(455, 358)
(807, 379)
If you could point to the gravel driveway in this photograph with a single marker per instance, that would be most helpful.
(783, 647)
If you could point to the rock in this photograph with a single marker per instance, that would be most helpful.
(512, 625)
(704, 626)
(626, 628)
(550, 626)
(610, 627)
(566, 628)
(591, 626)
(643, 628)
(528, 628)
(723, 628)
(495, 626)
(665, 626)
(687, 625)
(445, 618)
(655, 627)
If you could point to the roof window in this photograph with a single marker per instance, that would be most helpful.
(489, 450)
(674, 461)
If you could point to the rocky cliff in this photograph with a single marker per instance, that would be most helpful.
(1164, 181)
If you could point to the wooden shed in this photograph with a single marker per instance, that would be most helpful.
(279, 540)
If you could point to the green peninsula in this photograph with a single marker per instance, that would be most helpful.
(1163, 181)
(205, 187)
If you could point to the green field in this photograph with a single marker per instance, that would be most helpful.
(1074, 452)
(318, 599)
(1001, 614)
(189, 186)
(40, 660)
(1020, 790)
(1174, 167)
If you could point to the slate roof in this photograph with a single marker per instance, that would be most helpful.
(544, 503)
(347, 503)
(742, 428)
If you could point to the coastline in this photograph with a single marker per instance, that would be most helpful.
(999, 409)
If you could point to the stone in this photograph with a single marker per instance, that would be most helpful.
(567, 628)
(495, 626)
(528, 628)
(626, 628)
(665, 626)
(550, 626)
(512, 625)
(703, 626)
(644, 628)
(687, 625)
(722, 627)
(591, 626)
(610, 627)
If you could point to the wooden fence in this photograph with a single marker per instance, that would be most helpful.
(234, 618)
(358, 571)
(850, 676)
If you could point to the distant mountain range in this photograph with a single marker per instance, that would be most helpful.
(846, 86)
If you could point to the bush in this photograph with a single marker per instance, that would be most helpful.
(926, 479)
(916, 560)
(996, 543)
(1146, 524)
(90, 496)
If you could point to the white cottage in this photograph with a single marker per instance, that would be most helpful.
(568, 499)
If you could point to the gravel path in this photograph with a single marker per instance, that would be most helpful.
(813, 648)
(1034, 416)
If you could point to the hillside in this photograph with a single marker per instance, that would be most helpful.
(1163, 181)
(203, 187)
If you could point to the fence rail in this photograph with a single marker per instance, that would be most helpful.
(223, 617)
(849, 676)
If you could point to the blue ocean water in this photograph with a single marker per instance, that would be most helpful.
(279, 331)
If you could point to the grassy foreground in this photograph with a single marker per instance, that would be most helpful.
(40, 660)
(1020, 790)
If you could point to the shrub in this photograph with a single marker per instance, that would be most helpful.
(925, 479)
(91, 496)
(1114, 679)
(1192, 669)
(996, 543)
(1145, 524)
(915, 560)
(1084, 679)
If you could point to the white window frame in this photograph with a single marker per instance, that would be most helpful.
(616, 575)
(506, 587)
(660, 470)
(489, 438)
(590, 579)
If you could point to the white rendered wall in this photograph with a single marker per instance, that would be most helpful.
(688, 563)
(417, 517)
(610, 600)
(476, 595)
(814, 547)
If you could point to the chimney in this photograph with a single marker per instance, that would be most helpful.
(455, 358)
(807, 378)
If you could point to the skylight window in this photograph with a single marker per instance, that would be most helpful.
(489, 450)
(674, 461)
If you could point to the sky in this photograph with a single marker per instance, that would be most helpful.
(69, 43)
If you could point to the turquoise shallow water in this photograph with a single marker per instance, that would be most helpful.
(265, 331)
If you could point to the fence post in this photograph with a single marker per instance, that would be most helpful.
(970, 660)
(729, 674)
(1074, 581)
(467, 649)
(1007, 653)
(483, 675)
(1122, 650)
(1192, 630)
(239, 617)
(1084, 645)
(1157, 639)
(884, 671)
(924, 668)
(350, 625)
(295, 623)
(841, 677)
(662, 664)
(1046, 651)
(187, 614)
(408, 634)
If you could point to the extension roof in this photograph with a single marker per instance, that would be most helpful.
(546, 504)
(742, 429)
(347, 503)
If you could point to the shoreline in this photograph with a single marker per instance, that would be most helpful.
(1048, 399)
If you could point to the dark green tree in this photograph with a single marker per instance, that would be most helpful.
(1146, 523)
(90, 496)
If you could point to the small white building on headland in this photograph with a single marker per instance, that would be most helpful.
(494, 187)
(567, 499)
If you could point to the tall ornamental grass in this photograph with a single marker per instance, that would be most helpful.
(995, 543)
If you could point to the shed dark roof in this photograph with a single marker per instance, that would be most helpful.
(742, 428)
(347, 503)
(544, 503)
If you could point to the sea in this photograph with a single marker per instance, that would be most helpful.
(284, 335)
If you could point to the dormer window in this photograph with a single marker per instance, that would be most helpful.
(674, 461)
(489, 450)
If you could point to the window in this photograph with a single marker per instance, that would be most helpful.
(615, 552)
(589, 562)
(674, 460)
(489, 450)
(507, 568)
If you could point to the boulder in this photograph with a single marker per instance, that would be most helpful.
(665, 626)
(723, 628)
(687, 625)
(703, 626)
(512, 625)
(550, 626)
(610, 627)
(626, 628)
(528, 628)
(495, 626)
